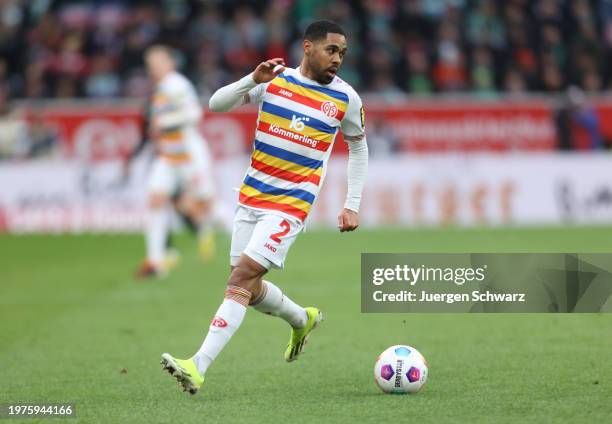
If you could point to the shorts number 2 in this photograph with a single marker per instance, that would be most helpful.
(286, 227)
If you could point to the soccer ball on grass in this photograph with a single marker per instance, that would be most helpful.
(400, 369)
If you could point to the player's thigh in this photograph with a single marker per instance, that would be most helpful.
(197, 181)
(272, 237)
(242, 230)
(162, 179)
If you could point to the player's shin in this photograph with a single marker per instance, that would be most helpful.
(227, 320)
(156, 233)
(273, 301)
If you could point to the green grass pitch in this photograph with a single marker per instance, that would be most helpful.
(74, 327)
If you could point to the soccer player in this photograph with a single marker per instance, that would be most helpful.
(181, 172)
(172, 257)
(300, 113)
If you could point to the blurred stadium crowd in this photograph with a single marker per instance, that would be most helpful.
(65, 49)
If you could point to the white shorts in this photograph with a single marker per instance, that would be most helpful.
(263, 236)
(193, 177)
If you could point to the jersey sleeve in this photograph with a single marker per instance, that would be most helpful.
(256, 93)
(353, 123)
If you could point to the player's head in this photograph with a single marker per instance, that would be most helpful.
(324, 50)
(160, 61)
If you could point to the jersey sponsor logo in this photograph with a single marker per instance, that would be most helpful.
(330, 109)
(219, 322)
(297, 122)
(285, 93)
(275, 129)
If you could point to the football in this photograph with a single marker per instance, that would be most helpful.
(400, 369)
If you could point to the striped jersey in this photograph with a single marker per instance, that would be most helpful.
(296, 127)
(176, 106)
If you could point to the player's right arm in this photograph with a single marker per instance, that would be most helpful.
(247, 89)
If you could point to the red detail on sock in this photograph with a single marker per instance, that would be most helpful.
(238, 295)
(218, 322)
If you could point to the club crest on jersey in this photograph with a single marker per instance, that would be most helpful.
(219, 322)
(330, 109)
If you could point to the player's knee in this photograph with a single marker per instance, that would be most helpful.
(247, 277)
(181, 204)
(198, 208)
(242, 277)
(204, 205)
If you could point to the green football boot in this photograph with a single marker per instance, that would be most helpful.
(299, 336)
(185, 372)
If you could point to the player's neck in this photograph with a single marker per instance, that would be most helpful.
(305, 71)
(162, 76)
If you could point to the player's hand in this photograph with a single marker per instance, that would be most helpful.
(154, 129)
(265, 70)
(348, 220)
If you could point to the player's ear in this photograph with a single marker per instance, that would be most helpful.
(307, 46)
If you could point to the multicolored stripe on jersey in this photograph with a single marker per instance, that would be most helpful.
(285, 165)
(170, 142)
(284, 170)
(288, 166)
(338, 95)
(308, 95)
(299, 161)
(251, 197)
(303, 195)
(176, 158)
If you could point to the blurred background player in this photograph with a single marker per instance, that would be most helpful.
(301, 111)
(181, 172)
(172, 256)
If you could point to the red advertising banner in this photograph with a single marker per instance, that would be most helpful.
(464, 126)
(110, 130)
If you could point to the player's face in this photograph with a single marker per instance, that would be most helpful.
(158, 65)
(325, 56)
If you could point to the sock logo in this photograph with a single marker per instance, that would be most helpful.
(218, 322)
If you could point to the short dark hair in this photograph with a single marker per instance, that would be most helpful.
(319, 30)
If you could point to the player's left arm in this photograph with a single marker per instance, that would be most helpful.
(353, 128)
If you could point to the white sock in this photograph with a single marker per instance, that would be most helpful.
(223, 326)
(274, 302)
(157, 228)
